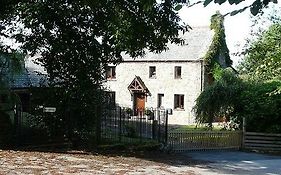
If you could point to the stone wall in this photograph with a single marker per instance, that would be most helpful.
(165, 83)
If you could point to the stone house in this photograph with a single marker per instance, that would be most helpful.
(172, 79)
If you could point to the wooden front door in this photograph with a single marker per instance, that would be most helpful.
(139, 102)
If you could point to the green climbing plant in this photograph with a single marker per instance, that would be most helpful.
(217, 56)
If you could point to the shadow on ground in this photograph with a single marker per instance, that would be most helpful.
(238, 162)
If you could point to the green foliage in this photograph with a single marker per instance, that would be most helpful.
(255, 7)
(10, 65)
(197, 128)
(77, 40)
(232, 98)
(217, 71)
(218, 99)
(257, 96)
(6, 130)
(218, 53)
(261, 108)
(75, 116)
(261, 70)
(131, 131)
(128, 111)
(263, 58)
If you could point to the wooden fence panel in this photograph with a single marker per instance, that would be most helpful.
(204, 140)
(262, 141)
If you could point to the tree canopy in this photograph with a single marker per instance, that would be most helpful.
(263, 58)
(76, 40)
(255, 7)
(87, 35)
(255, 93)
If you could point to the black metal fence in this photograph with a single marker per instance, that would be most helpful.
(120, 125)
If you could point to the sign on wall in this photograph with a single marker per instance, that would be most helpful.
(49, 109)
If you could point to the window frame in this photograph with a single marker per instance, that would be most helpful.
(178, 72)
(151, 73)
(160, 100)
(179, 101)
(110, 73)
(111, 99)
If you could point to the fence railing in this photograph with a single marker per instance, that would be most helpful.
(119, 126)
(262, 141)
(183, 140)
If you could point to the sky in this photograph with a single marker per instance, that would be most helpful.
(237, 27)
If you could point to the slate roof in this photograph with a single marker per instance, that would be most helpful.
(26, 79)
(31, 76)
(197, 42)
(20, 80)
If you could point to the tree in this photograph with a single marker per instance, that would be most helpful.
(220, 99)
(234, 98)
(78, 39)
(71, 34)
(261, 107)
(255, 7)
(10, 64)
(263, 57)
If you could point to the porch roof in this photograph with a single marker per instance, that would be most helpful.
(138, 86)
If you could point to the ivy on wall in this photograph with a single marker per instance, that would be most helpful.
(217, 57)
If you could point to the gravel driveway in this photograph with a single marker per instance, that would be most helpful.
(20, 162)
(141, 163)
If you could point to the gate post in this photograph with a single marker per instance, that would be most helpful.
(243, 132)
(159, 126)
(98, 124)
(166, 127)
(120, 122)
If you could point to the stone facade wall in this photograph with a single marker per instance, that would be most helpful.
(189, 85)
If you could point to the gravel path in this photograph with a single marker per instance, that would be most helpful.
(21, 162)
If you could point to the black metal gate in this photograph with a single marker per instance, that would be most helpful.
(120, 125)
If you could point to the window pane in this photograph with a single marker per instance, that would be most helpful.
(160, 100)
(110, 99)
(152, 72)
(178, 72)
(179, 101)
(113, 72)
(110, 72)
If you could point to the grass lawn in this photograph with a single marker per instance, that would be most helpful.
(198, 128)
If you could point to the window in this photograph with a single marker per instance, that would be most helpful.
(179, 101)
(152, 72)
(110, 99)
(110, 72)
(160, 100)
(177, 72)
